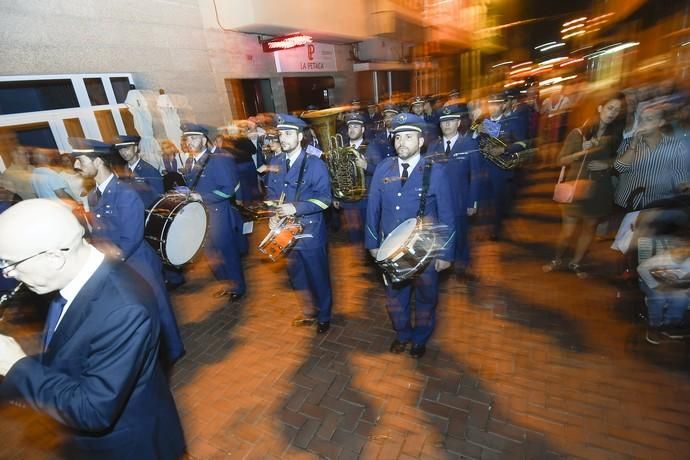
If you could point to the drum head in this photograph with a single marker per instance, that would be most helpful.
(396, 239)
(186, 233)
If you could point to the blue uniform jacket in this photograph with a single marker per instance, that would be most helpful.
(385, 147)
(118, 218)
(464, 169)
(219, 187)
(100, 375)
(315, 195)
(390, 204)
(147, 181)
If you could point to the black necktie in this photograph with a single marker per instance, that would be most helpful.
(54, 312)
(390, 138)
(98, 194)
(287, 165)
(405, 174)
(189, 164)
(448, 147)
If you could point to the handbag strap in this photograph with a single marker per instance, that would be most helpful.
(584, 158)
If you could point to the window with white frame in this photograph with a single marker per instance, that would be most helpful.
(45, 110)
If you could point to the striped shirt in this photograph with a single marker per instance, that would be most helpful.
(657, 171)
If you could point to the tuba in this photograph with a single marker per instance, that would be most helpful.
(347, 179)
(488, 140)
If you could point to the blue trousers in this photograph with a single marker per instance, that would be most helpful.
(501, 195)
(354, 215)
(462, 248)
(399, 300)
(309, 275)
(147, 264)
(665, 308)
(223, 249)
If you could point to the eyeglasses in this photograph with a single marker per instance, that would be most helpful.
(7, 266)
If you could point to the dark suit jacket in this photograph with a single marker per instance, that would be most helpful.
(100, 375)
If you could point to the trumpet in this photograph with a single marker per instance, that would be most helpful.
(488, 143)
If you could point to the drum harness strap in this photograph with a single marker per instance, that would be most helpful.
(192, 187)
(425, 189)
(298, 191)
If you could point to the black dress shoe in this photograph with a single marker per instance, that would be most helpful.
(398, 347)
(323, 327)
(302, 320)
(417, 350)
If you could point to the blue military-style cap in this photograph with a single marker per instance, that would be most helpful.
(390, 108)
(452, 111)
(407, 122)
(124, 141)
(285, 122)
(89, 147)
(497, 98)
(193, 129)
(356, 118)
(271, 135)
(418, 100)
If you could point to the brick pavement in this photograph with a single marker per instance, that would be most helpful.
(522, 365)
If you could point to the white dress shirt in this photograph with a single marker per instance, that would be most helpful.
(69, 292)
(411, 161)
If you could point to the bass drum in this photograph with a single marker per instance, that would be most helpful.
(176, 227)
(407, 250)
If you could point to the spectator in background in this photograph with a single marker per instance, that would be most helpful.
(554, 121)
(666, 302)
(47, 181)
(17, 177)
(589, 153)
(651, 164)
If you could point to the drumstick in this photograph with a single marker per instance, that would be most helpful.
(281, 199)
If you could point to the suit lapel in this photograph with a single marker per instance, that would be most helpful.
(76, 312)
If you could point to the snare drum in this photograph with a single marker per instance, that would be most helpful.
(407, 250)
(176, 228)
(280, 239)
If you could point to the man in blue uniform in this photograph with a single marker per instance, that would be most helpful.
(500, 181)
(301, 181)
(144, 178)
(384, 138)
(430, 130)
(98, 371)
(117, 228)
(214, 177)
(354, 212)
(395, 195)
(463, 168)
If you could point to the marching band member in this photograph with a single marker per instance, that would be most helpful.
(395, 195)
(384, 138)
(300, 183)
(214, 177)
(500, 181)
(117, 228)
(463, 169)
(144, 178)
(354, 212)
(431, 132)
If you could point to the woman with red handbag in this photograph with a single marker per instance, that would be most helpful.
(587, 156)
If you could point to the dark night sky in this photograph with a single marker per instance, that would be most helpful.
(559, 11)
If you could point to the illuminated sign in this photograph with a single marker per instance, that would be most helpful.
(315, 57)
(285, 42)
